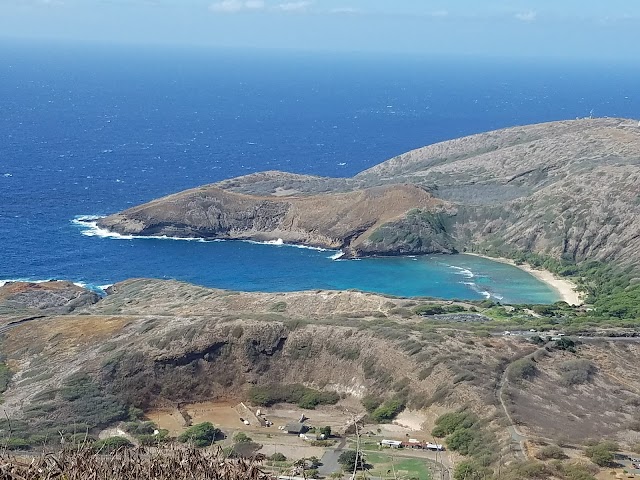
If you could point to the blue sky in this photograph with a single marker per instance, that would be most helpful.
(531, 28)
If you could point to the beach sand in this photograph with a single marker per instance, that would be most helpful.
(566, 288)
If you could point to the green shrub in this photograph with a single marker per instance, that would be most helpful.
(470, 471)
(388, 410)
(111, 444)
(278, 457)
(5, 377)
(349, 459)
(602, 454)
(303, 396)
(201, 435)
(242, 437)
(428, 310)
(450, 422)
(151, 440)
(15, 444)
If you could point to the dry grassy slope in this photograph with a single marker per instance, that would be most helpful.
(562, 188)
(330, 220)
(154, 342)
(605, 406)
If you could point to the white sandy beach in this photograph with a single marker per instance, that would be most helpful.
(566, 288)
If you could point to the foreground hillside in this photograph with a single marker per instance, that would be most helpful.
(564, 189)
(155, 346)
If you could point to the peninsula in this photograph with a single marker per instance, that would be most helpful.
(567, 190)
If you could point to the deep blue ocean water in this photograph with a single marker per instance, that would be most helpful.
(93, 130)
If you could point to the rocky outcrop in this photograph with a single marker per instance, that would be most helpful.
(47, 297)
(567, 189)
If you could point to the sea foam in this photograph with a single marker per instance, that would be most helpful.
(90, 228)
(463, 271)
(485, 293)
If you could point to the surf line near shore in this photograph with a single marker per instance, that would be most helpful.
(567, 290)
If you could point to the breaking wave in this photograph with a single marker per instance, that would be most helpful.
(465, 272)
(90, 228)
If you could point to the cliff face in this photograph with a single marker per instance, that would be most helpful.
(564, 188)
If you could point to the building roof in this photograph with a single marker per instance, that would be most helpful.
(295, 427)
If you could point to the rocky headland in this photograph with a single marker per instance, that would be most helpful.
(564, 189)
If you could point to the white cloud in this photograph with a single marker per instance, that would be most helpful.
(528, 16)
(235, 6)
(300, 6)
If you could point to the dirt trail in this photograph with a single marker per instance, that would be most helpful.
(516, 436)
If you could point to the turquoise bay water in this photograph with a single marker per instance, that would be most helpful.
(250, 266)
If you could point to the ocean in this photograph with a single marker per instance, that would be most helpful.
(91, 130)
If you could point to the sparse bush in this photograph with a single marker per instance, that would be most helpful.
(140, 428)
(278, 307)
(244, 450)
(370, 403)
(565, 343)
(576, 372)
(551, 452)
(278, 457)
(522, 369)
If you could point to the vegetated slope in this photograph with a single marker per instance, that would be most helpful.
(568, 189)
(152, 343)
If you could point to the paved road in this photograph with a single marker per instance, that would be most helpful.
(330, 459)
